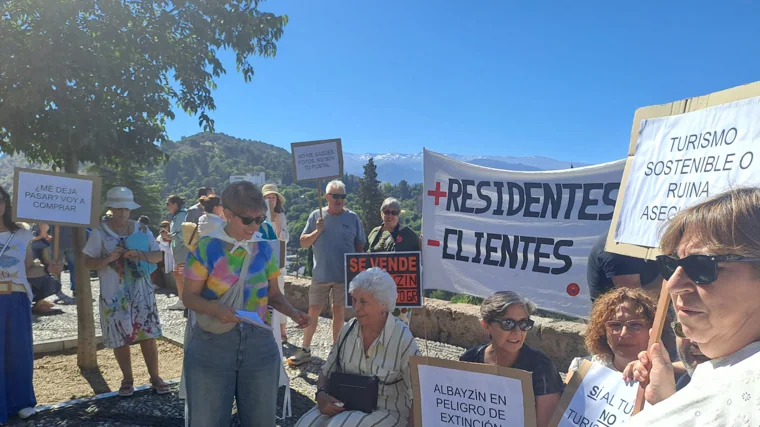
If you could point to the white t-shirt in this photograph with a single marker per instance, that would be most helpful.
(166, 248)
(604, 361)
(13, 261)
(208, 223)
(722, 392)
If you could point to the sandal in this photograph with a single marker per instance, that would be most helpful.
(127, 388)
(159, 386)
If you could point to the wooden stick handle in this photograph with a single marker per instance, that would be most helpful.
(655, 336)
(319, 196)
(57, 247)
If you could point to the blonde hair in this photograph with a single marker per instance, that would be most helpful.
(726, 224)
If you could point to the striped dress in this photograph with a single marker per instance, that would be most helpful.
(388, 358)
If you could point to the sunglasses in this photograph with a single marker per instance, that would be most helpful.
(702, 269)
(615, 327)
(247, 220)
(338, 196)
(394, 213)
(510, 324)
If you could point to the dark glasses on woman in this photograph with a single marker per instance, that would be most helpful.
(394, 213)
(702, 269)
(510, 324)
(247, 220)
(635, 326)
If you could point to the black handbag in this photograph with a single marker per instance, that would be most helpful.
(357, 392)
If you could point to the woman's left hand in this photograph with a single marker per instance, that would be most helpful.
(132, 255)
(301, 318)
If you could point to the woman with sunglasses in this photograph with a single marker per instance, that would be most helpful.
(231, 277)
(505, 316)
(618, 329)
(712, 268)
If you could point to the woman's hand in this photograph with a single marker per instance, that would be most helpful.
(301, 318)
(326, 404)
(654, 372)
(115, 255)
(55, 268)
(226, 314)
(132, 255)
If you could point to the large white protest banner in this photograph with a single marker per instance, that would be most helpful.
(685, 158)
(449, 393)
(596, 396)
(486, 230)
(56, 198)
(316, 160)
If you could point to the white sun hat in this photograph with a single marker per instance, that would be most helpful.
(121, 198)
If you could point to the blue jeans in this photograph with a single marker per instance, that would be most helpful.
(69, 254)
(16, 355)
(244, 364)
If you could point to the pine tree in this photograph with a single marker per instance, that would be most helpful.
(370, 197)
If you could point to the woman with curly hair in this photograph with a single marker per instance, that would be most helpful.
(618, 329)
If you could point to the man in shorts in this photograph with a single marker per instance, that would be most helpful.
(336, 232)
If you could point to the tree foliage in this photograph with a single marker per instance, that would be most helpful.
(370, 197)
(98, 79)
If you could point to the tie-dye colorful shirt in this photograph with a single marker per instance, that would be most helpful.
(213, 263)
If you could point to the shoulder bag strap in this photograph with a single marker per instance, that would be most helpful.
(238, 288)
(343, 341)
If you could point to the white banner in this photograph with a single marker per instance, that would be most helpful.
(683, 159)
(487, 230)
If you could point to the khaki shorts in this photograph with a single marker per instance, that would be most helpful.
(319, 293)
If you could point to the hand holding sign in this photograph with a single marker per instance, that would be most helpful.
(654, 372)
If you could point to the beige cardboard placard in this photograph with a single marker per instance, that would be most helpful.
(674, 108)
(570, 389)
(495, 406)
(56, 198)
(317, 160)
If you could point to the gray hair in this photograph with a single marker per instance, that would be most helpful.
(379, 283)
(495, 306)
(336, 184)
(390, 202)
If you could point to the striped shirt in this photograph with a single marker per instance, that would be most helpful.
(387, 358)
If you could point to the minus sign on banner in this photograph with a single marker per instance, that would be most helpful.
(432, 242)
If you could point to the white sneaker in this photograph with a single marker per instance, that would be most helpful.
(177, 306)
(302, 356)
(26, 413)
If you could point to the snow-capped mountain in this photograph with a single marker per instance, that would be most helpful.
(393, 167)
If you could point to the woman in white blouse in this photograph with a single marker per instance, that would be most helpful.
(375, 343)
(712, 265)
(213, 215)
(276, 203)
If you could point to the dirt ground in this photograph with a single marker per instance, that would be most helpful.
(57, 377)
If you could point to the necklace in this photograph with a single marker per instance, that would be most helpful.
(121, 231)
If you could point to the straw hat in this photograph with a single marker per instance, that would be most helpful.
(272, 189)
(121, 198)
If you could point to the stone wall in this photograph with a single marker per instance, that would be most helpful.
(459, 324)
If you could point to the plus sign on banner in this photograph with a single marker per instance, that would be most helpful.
(486, 230)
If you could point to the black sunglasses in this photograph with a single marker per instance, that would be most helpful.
(394, 213)
(510, 324)
(247, 220)
(702, 269)
(338, 196)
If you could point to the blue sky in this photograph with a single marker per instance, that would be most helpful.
(554, 78)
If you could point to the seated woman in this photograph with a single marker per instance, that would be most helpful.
(618, 329)
(712, 264)
(505, 316)
(374, 343)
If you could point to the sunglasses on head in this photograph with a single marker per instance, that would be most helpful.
(702, 269)
(394, 213)
(338, 196)
(510, 324)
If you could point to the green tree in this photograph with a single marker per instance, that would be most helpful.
(95, 81)
(403, 190)
(370, 197)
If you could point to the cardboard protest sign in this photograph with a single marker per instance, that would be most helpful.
(487, 230)
(470, 394)
(56, 198)
(317, 160)
(595, 396)
(404, 267)
(679, 154)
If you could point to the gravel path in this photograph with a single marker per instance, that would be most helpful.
(147, 409)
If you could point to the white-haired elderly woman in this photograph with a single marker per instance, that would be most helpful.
(505, 316)
(393, 236)
(373, 344)
(712, 264)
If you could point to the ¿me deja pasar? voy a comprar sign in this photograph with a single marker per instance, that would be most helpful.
(56, 198)
(317, 160)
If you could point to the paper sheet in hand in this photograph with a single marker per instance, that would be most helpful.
(251, 317)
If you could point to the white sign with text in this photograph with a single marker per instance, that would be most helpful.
(456, 397)
(603, 399)
(47, 198)
(317, 160)
(681, 160)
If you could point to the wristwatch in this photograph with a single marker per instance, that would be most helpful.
(319, 390)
